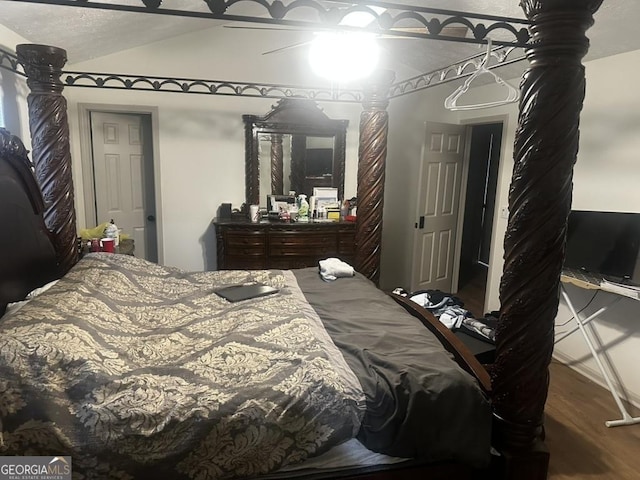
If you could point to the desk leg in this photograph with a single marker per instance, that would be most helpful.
(626, 418)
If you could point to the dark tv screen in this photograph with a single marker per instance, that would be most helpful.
(605, 243)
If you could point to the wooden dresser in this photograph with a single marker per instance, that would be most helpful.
(243, 245)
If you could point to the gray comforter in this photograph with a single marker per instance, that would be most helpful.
(420, 403)
(141, 371)
(135, 369)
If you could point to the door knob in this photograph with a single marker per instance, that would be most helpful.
(151, 218)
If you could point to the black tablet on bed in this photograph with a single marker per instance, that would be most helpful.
(237, 293)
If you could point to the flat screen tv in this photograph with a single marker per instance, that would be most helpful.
(605, 243)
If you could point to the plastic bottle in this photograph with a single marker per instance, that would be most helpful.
(344, 209)
(303, 209)
(111, 231)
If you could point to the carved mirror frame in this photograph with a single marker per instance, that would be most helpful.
(298, 117)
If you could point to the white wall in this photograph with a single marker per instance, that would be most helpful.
(14, 115)
(201, 138)
(606, 177)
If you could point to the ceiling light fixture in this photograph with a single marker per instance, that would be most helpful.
(344, 57)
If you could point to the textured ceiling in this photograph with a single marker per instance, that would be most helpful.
(89, 33)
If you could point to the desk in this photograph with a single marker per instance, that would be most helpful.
(581, 324)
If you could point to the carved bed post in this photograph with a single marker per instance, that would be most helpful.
(545, 151)
(277, 165)
(372, 155)
(50, 143)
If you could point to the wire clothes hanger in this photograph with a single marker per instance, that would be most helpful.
(513, 94)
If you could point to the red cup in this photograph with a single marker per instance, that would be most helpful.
(108, 245)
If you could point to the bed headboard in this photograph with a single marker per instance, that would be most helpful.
(26, 248)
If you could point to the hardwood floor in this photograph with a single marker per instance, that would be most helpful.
(473, 292)
(581, 446)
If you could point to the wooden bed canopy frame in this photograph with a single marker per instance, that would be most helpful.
(546, 145)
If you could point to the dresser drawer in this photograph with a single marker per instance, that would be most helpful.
(302, 250)
(251, 250)
(245, 238)
(245, 243)
(346, 243)
(309, 239)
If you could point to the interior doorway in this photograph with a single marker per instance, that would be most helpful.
(438, 207)
(122, 180)
(480, 201)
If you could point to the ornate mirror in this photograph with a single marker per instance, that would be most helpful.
(294, 147)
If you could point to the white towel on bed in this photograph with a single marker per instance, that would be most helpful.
(332, 268)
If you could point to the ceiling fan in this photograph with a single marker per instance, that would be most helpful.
(448, 31)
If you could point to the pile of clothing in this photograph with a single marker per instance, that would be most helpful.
(485, 327)
(450, 311)
(445, 307)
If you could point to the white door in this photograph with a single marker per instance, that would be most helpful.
(123, 174)
(438, 203)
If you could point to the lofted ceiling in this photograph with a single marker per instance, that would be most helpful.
(92, 33)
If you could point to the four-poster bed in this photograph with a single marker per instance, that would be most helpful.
(552, 92)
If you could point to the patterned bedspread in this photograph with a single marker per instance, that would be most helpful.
(140, 370)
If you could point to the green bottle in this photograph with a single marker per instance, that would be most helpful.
(303, 208)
